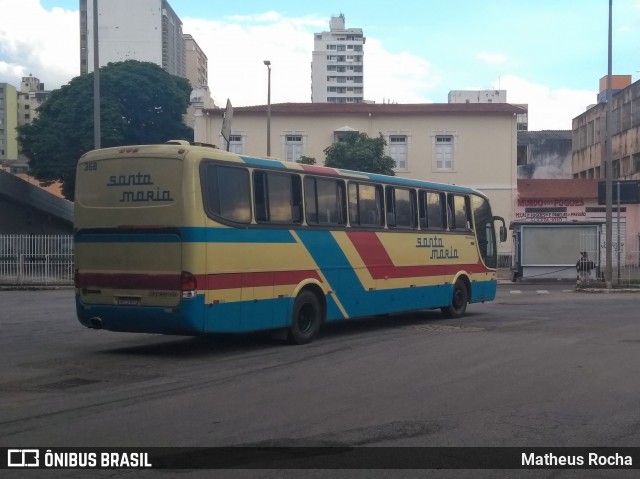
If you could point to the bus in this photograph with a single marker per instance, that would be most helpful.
(188, 239)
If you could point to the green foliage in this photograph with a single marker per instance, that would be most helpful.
(358, 152)
(307, 160)
(140, 104)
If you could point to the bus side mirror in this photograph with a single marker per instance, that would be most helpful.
(503, 228)
(503, 234)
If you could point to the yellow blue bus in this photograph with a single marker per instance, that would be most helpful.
(186, 239)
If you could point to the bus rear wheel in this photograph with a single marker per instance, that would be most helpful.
(306, 318)
(459, 300)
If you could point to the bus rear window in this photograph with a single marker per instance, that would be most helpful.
(227, 193)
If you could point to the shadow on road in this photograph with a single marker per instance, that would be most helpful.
(224, 344)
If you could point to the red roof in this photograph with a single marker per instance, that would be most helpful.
(379, 108)
(564, 188)
(54, 188)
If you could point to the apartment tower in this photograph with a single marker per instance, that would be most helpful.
(144, 30)
(337, 64)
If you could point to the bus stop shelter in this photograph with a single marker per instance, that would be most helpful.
(550, 251)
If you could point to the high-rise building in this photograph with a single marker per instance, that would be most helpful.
(144, 30)
(32, 94)
(337, 64)
(196, 63)
(8, 123)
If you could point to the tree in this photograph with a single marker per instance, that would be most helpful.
(360, 153)
(140, 103)
(307, 160)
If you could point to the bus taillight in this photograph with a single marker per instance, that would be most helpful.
(188, 285)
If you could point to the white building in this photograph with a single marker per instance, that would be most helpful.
(489, 96)
(144, 30)
(337, 64)
(478, 96)
(32, 94)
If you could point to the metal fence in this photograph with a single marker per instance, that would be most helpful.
(36, 260)
(625, 264)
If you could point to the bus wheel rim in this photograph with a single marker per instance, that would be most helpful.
(305, 318)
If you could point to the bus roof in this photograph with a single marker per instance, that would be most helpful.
(197, 152)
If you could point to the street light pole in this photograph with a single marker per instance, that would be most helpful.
(608, 166)
(268, 64)
(96, 79)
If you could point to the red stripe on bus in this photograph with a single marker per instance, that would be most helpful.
(129, 281)
(247, 280)
(380, 266)
(320, 169)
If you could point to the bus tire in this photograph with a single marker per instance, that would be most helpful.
(306, 318)
(459, 300)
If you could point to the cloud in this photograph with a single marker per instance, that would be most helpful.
(399, 77)
(236, 52)
(39, 42)
(45, 43)
(492, 58)
(237, 47)
(549, 109)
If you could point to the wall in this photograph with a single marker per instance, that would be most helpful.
(484, 144)
(21, 219)
(544, 154)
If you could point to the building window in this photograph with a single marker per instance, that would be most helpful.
(235, 144)
(294, 147)
(443, 152)
(397, 147)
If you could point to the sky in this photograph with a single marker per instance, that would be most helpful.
(549, 54)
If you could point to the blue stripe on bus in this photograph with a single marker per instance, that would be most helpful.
(260, 162)
(412, 183)
(192, 316)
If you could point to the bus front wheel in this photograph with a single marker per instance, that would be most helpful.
(459, 300)
(306, 318)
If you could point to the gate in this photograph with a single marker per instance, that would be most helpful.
(36, 260)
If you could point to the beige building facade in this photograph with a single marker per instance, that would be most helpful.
(466, 144)
(8, 123)
(590, 128)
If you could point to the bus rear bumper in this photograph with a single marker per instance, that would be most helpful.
(186, 318)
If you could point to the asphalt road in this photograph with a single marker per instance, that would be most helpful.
(541, 366)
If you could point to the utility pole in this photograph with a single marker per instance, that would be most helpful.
(268, 64)
(96, 79)
(608, 153)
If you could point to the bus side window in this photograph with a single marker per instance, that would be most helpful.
(277, 197)
(324, 201)
(227, 192)
(432, 210)
(391, 217)
(460, 212)
(366, 205)
(401, 211)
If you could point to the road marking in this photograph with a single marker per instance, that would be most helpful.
(515, 291)
(542, 291)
